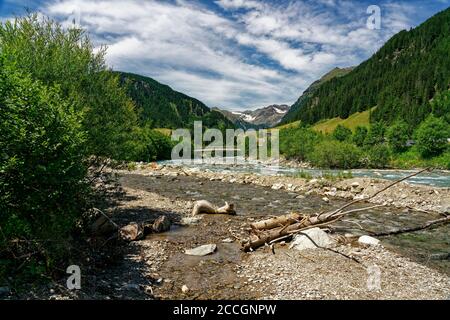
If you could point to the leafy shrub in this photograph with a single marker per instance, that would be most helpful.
(65, 58)
(148, 145)
(431, 136)
(42, 175)
(397, 136)
(335, 154)
(298, 142)
(342, 133)
(378, 156)
(376, 134)
(359, 136)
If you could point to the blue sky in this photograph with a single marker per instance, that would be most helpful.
(234, 54)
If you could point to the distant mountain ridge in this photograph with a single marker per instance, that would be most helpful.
(292, 115)
(399, 80)
(266, 117)
(164, 107)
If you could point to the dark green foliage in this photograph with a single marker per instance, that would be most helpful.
(441, 105)
(336, 154)
(359, 136)
(378, 156)
(342, 133)
(298, 142)
(166, 108)
(397, 136)
(376, 134)
(148, 145)
(42, 187)
(400, 79)
(65, 58)
(431, 136)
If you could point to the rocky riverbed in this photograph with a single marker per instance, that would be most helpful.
(157, 267)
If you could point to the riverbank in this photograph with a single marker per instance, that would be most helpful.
(403, 195)
(158, 268)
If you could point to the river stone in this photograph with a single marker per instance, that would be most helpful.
(320, 238)
(131, 232)
(277, 186)
(162, 224)
(186, 221)
(369, 241)
(202, 250)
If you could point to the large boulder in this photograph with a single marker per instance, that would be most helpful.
(303, 241)
(131, 232)
(202, 250)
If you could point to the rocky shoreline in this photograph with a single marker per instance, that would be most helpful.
(403, 195)
(157, 266)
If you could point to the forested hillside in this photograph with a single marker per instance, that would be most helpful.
(400, 79)
(166, 108)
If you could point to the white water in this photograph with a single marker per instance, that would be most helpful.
(435, 178)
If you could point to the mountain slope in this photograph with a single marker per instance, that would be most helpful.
(266, 117)
(166, 108)
(400, 79)
(292, 115)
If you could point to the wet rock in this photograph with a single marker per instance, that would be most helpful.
(303, 241)
(368, 241)
(162, 224)
(186, 221)
(131, 232)
(277, 186)
(202, 250)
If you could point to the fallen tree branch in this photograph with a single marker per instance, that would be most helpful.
(285, 226)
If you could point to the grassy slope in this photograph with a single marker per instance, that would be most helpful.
(356, 119)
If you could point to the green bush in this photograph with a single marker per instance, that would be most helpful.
(376, 134)
(397, 136)
(298, 142)
(359, 136)
(148, 145)
(335, 154)
(65, 58)
(378, 156)
(342, 133)
(431, 136)
(42, 174)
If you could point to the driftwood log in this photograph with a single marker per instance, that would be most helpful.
(268, 231)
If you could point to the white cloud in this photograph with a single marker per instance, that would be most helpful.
(221, 57)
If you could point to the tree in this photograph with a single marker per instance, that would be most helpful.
(431, 136)
(342, 133)
(359, 137)
(335, 154)
(65, 58)
(441, 105)
(43, 191)
(397, 136)
(376, 134)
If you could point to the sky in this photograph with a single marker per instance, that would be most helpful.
(235, 54)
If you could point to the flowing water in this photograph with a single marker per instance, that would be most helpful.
(435, 178)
